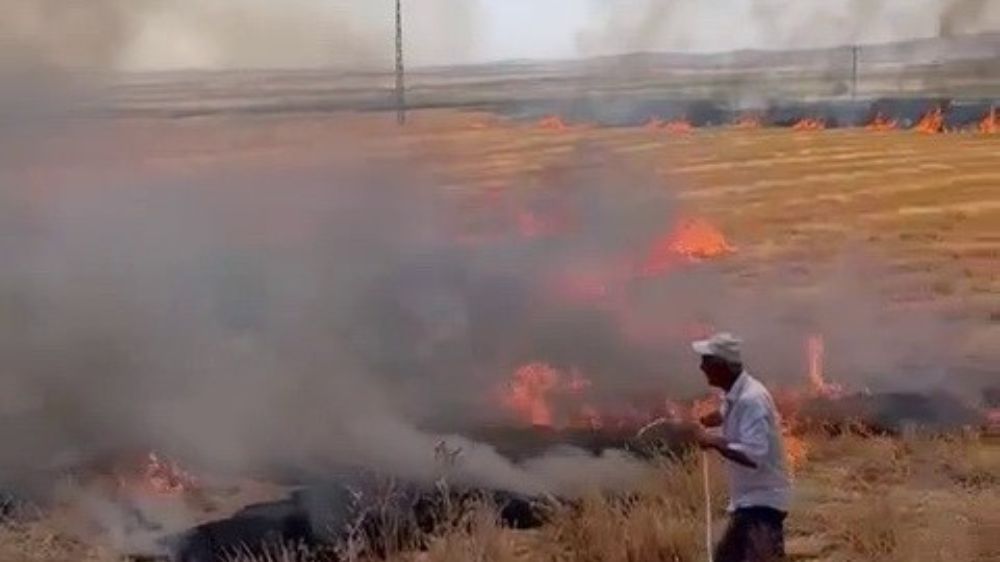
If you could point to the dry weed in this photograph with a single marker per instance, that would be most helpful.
(966, 460)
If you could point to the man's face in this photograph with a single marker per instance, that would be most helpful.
(716, 370)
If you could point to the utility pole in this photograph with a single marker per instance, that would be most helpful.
(855, 54)
(400, 74)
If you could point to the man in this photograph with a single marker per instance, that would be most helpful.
(759, 485)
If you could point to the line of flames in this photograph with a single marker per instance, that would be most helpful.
(931, 122)
(535, 387)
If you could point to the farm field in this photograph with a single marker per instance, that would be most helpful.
(924, 208)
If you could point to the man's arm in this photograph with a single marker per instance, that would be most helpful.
(719, 443)
(750, 443)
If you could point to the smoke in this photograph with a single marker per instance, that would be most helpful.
(182, 34)
(161, 290)
(262, 315)
(961, 16)
(690, 25)
(252, 318)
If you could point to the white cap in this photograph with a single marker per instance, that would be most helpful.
(722, 345)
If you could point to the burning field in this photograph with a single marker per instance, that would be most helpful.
(440, 342)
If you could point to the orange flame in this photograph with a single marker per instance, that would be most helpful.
(881, 123)
(990, 125)
(160, 476)
(809, 124)
(931, 123)
(816, 352)
(748, 121)
(692, 240)
(796, 449)
(527, 394)
(678, 126)
(553, 123)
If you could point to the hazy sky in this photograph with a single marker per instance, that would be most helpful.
(534, 28)
(159, 34)
(566, 28)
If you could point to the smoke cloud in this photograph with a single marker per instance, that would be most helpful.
(200, 34)
(252, 316)
(690, 25)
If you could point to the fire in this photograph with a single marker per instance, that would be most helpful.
(748, 121)
(544, 396)
(809, 124)
(155, 474)
(553, 123)
(990, 125)
(881, 123)
(931, 123)
(796, 449)
(816, 352)
(678, 126)
(165, 476)
(692, 239)
(528, 392)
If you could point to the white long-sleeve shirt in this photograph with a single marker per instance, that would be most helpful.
(751, 425)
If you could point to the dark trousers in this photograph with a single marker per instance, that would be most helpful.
(755, 534)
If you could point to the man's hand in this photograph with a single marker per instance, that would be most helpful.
(713, 419)
(708, 441)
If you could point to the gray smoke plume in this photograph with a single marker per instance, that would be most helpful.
(259, 315)
(690, 25)
(182, 34)
(962, 16)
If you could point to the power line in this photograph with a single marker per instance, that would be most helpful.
(855, 55)
(400, 72)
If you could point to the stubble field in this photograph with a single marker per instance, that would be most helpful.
(925, 206)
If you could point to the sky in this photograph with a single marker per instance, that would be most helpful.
(175, 34)
(534, 28)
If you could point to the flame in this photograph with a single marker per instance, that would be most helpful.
(931, 123)
(881, 123)
(748, 121)
(692, 239)
(678, 127)
(543, 396)
(553, 123)
(528, 392)
(809, 124)
(990, 125)
(796, 449)
(704, 406)
(155, 474)
(816, 352)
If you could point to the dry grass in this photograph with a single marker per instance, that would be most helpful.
(858, 499)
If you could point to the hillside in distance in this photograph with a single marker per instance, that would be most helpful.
(954, 67)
